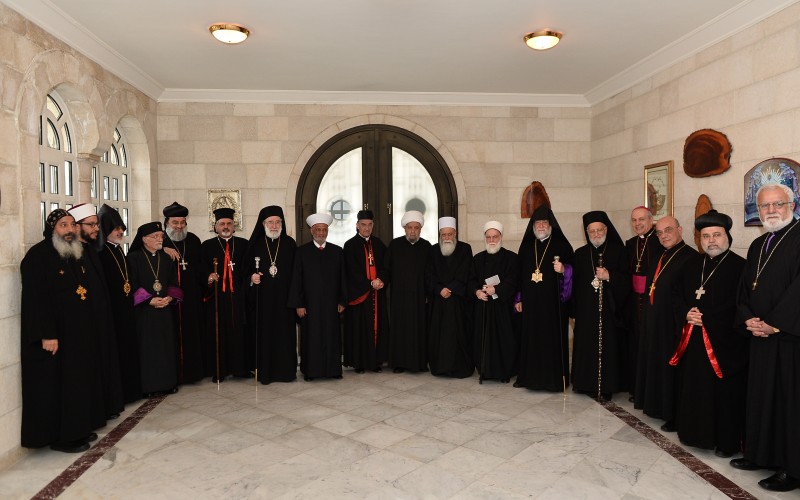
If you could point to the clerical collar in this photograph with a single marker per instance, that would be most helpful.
(225, 239)
(363, 238)
(648, 233)
(678, 245)
(318, 245)
(543, 240)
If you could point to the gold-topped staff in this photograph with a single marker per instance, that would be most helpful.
(599, 290)
(258, 305)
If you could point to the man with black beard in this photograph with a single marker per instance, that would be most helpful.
(404, 272)
(449, 331)
(85, 215)
(600, 287)
(226, 346)
(493, 281)
(768, 312)
(183, 248)
(711, 356)
(62, 376)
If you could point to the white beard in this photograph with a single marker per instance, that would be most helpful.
(772, 225)
(68, 249)
(714, 252)
(273, 235)
(597, 241)
(177, 234)
(542, 235)
(493, 248)
(447, 247)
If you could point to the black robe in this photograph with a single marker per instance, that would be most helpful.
(115, 265)
(269, 318)
(773, 387)
(449, 329)
(709, 411)
(189, 324)
(404, 272)
(155, 327)
(586, 311)
(655, 378)
(224, 308)
(544, 342)
(62, 394)
(318, 285)
(366, 343)
(641, 253)
(494, 340)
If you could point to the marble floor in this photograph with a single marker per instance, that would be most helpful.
(378, 436)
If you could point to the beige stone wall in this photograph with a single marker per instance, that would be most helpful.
(33, 63)
(747, 86)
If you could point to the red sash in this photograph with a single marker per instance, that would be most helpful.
(685, 336)
(372, 274)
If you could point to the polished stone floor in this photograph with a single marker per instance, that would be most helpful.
(377, 436)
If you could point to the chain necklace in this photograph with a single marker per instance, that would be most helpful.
(701, 291)
(595, 280)
(536, 276)
(126, 287)
(660, 271)
(273, 269)
(759, 267)
(156, 284)
(182, 262)
(640, 255)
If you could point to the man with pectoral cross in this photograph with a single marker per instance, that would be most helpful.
(227, 351)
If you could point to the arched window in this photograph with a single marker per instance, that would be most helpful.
(57, 160)
(111, 180)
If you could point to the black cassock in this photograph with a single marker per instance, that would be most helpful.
(225, 308)
(449, 330)
(655, 378)
(115, 265)
(586, 311)
(494, 339)
(189, 325)
(544, 342)
(773, 387)
(154, 326)
(641, 252)
(365, 321)
(404, 271)
(62, 394)
(267, 308)
(318, 285)
(709, 410)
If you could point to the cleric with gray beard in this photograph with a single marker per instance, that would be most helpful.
(65, 239)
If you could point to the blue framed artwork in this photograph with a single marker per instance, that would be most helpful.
(781, 170)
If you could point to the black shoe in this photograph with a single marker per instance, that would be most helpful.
(91, 437)
(113, 416)
(723, 454)
(73, 447)
(337, 377)
(378, 369)
(744, 464)
(607, 396)
(216, 380)
(360, 370)
(308, 379)
(669, 426)
(631, 399)
(504, 380)
(780, 481)
(517, 383)
(174, 390)
(398, 370)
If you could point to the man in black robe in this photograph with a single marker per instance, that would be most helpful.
(711, 356)
(655, 378)
(404, 273)
(155, 291)
(183, 248)
(768, 311)
(545, 258)
(494, 275)
(600, 288)
(272, 322)
(318, 294)
(449, 330)
(62, 386)
(365, 321)
(227, 350)
(85, 215)
(643, 249)
(115, 266)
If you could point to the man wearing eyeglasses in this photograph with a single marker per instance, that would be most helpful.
(655, 378)
(768, 312)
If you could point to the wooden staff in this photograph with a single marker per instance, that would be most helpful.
(600, 333)
(258, 305)
(556, 258)
(216, 316)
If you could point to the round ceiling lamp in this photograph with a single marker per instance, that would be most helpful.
(543, 39)
(229, 33)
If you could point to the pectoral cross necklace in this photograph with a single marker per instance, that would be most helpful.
(536, 276)
(273, 269)
(759, 267)
(701, 291)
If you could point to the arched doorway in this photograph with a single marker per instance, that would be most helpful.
(384, 168)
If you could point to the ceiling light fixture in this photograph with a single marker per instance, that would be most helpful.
(543, 39)
(229, 33)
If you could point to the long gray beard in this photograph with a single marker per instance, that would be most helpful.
(774, 227)
(493, 249)
(447, 247)
(273, 235)
(68, 249)
(176, 234)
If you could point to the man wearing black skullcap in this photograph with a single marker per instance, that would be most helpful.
(62, 386)
(155, 293)
(600, 287)
(271, 322)
(711, 356)
(183, 248)
(365, 321)
(545, 258)
(225, 347)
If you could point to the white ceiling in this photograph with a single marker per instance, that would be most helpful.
(392, 51)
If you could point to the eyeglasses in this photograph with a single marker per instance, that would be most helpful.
(90, 224)
(667, 230)
(777, 205)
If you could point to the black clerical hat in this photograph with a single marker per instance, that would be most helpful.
(365, 215)
(612, 235)
(223, 213)
(175, 210)
(712, 218)
(145, 230)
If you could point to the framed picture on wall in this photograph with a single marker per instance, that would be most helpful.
(225, 198)
(658, 194)
(775, 170)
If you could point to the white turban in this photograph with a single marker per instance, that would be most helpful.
(493, 224)
(82, 211)
(319, 219)
(447, 222)
(412, 216)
